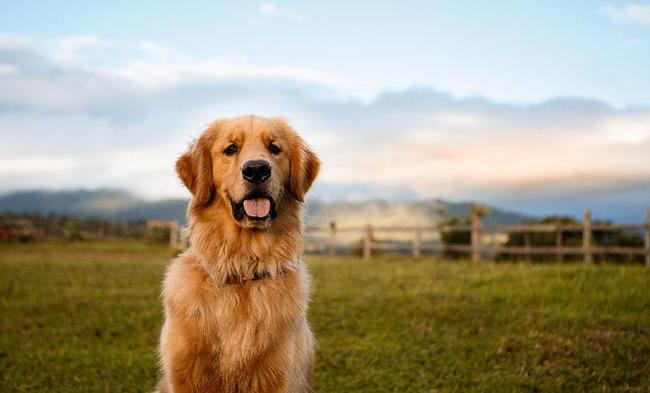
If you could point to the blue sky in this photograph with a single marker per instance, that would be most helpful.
(518, 51)
(542, 107)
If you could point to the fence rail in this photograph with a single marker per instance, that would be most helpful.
(477, 250)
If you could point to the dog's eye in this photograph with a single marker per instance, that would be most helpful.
(230, 150)
(273, 148)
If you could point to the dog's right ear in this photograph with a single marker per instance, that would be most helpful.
(195, 169)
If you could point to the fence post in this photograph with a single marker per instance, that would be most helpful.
(416, 244)
(526, 242)
(558, 242)
(476, 236)
(647, 237)
(367, 243)
(331, 244)
(586, 237)
(173, 234)
(442, 249)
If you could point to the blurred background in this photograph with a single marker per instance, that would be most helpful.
(537, 107)
(461, 130)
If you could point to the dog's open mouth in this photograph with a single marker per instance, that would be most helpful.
(256, 207)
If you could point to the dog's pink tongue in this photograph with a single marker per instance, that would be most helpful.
(259, 207)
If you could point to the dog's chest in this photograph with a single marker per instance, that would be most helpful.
(241, 321)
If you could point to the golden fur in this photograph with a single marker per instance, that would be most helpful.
(251, 336)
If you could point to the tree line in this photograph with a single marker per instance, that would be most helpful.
(25, 227)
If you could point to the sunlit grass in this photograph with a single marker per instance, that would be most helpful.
(86, 317)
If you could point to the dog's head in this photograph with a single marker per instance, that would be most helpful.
(252, 166)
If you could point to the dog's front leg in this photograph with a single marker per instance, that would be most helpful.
(188, 367)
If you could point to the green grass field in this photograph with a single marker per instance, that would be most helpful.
(85, 317)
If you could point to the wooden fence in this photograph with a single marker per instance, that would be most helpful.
(476, 247)
(175, 233)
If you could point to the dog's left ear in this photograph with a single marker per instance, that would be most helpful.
(304, 169)
(304, 163)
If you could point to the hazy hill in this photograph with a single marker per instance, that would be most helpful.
(386, 213)
(120, 205)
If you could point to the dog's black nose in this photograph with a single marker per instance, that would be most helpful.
(256, 171)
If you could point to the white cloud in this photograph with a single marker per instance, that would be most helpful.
(165, 74)
(8, 69)
(271, 9)
(154, 48)
(13, 42)
(630, 13)
(68, 49)
(268, 9)
(124, 125)
(460, 120)
(160, 52)
(22, 166)
(631, 130)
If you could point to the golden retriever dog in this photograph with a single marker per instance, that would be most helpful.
(236, 300)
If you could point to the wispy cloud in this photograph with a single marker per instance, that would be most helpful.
(68, 49)
(151, 50)
(638, 14)
(164, 74)
(270, 9)
(155, 48)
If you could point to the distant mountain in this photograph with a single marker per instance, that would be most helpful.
(103, 203)
(121, 205)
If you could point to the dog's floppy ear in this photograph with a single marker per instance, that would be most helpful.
(195, 169)
(304, 164)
